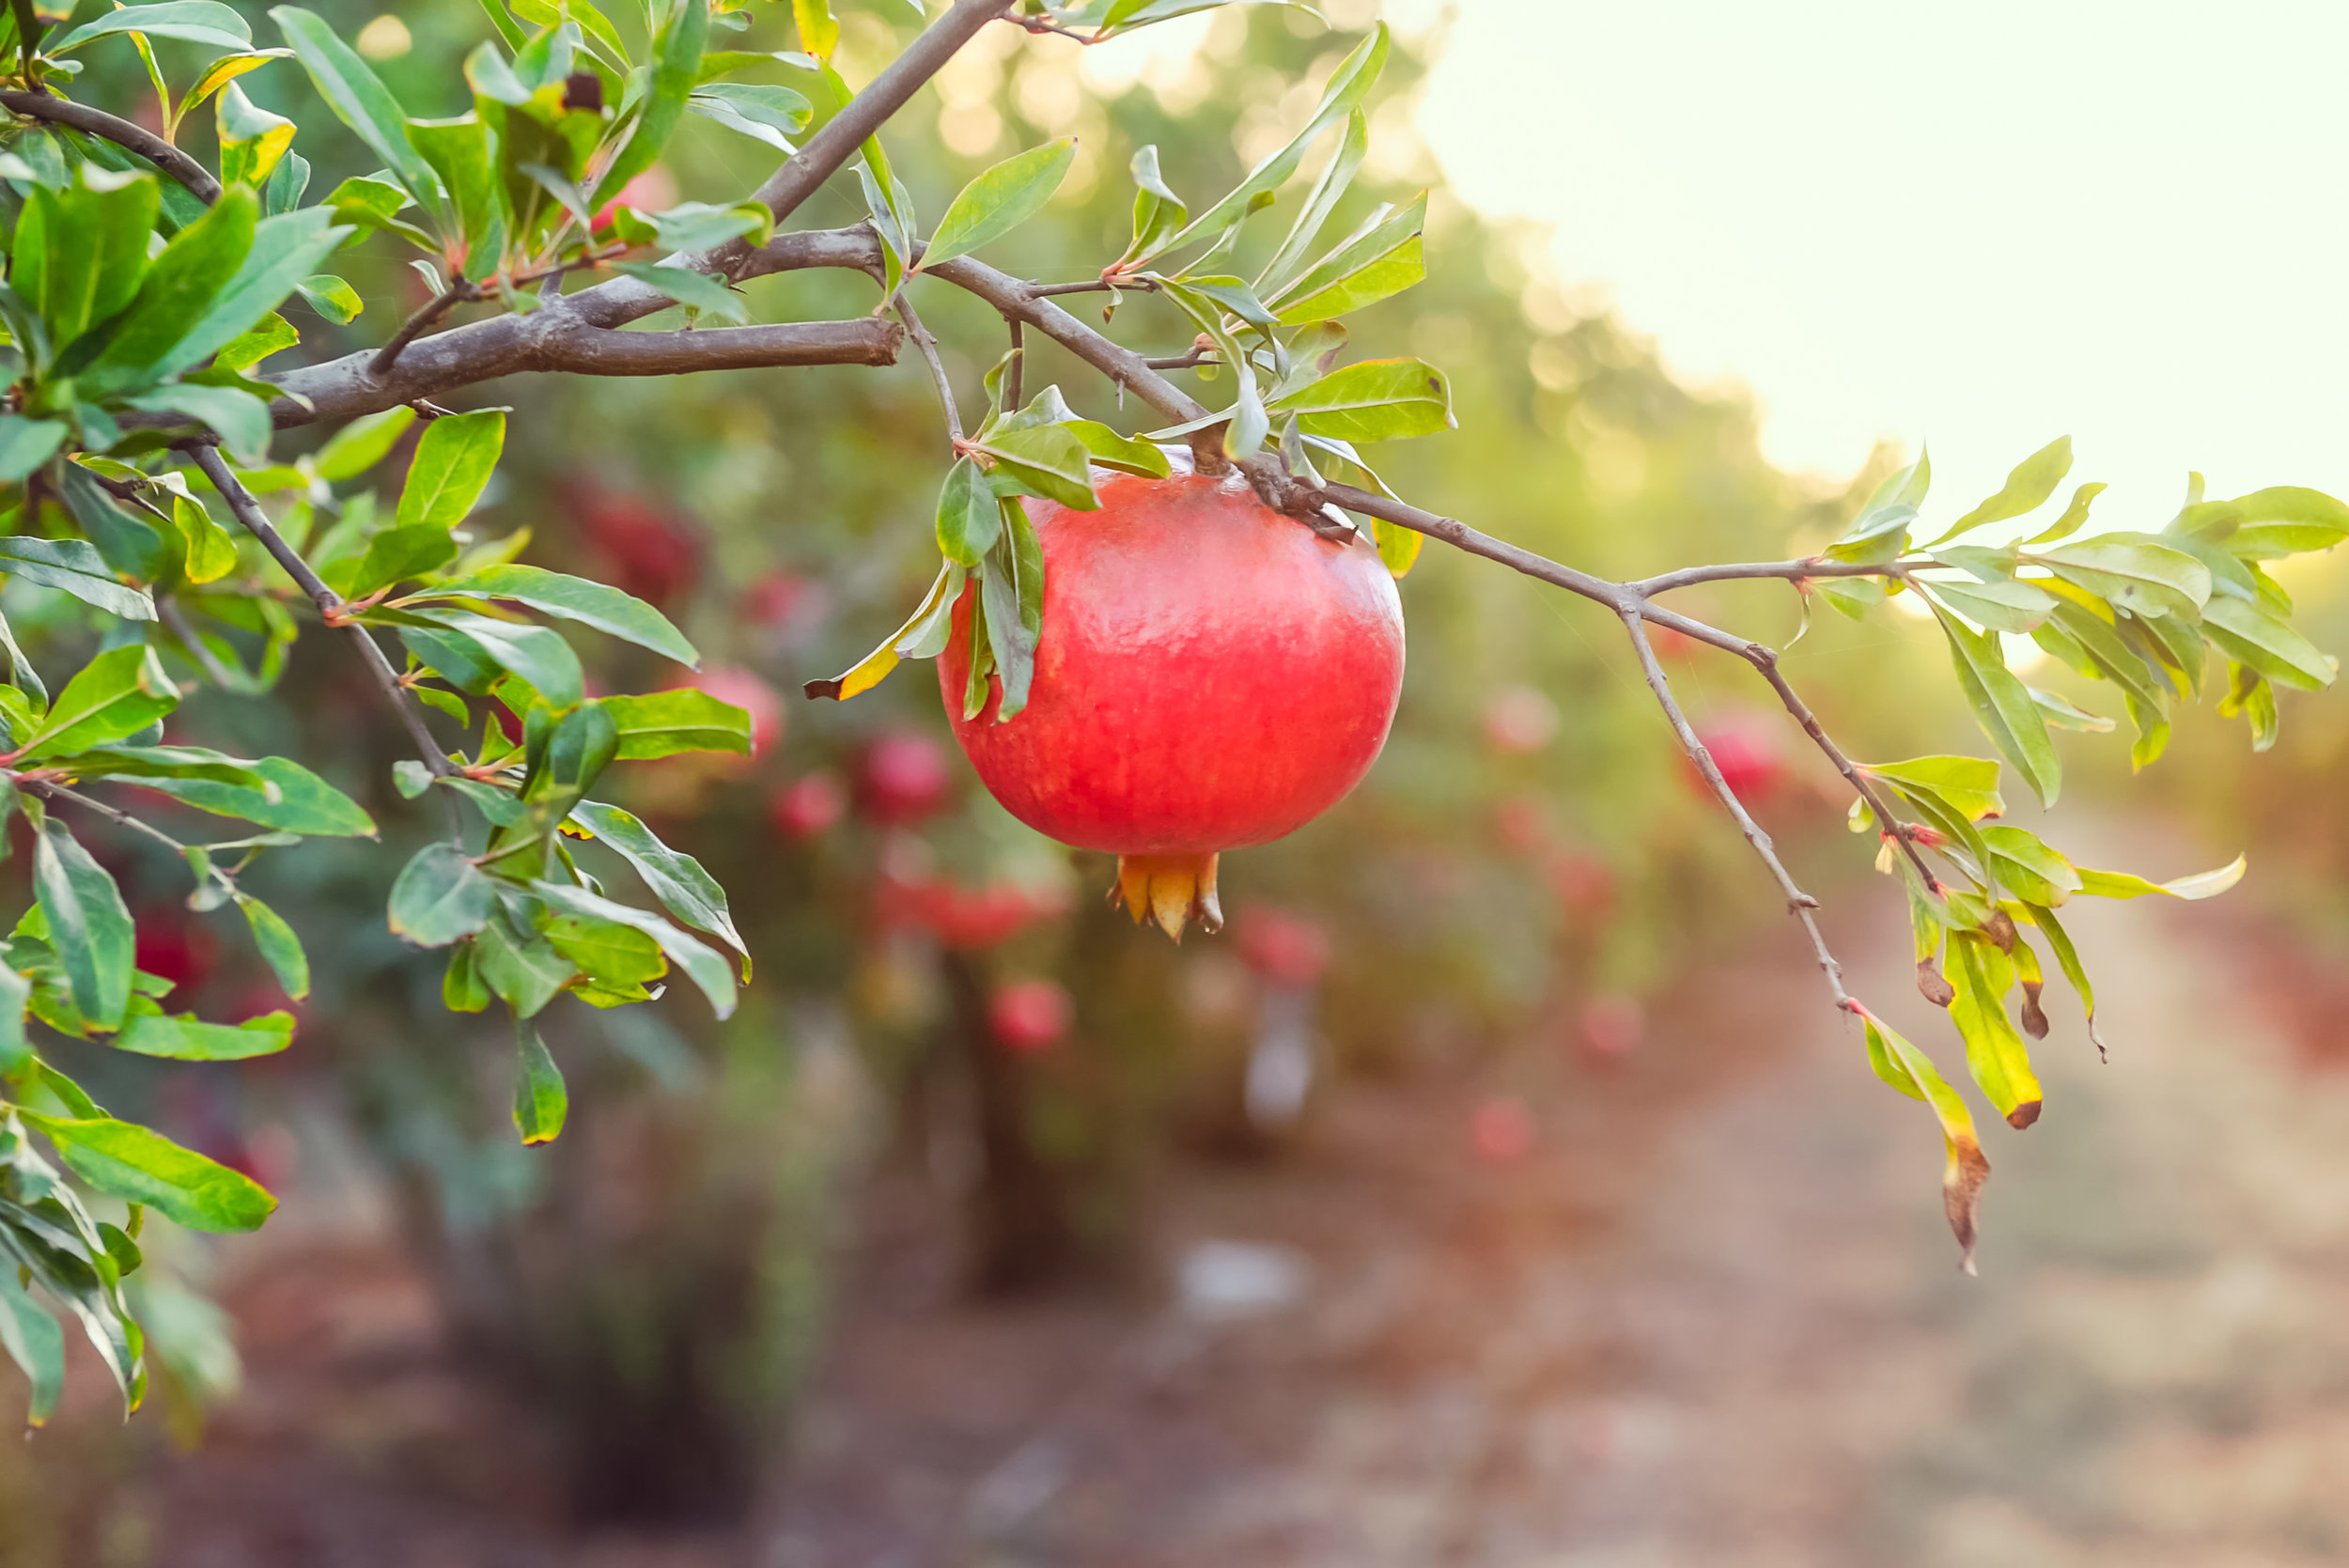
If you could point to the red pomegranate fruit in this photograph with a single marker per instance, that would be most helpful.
(1211, 675)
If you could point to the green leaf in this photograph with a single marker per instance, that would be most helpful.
(1372, 400)
(572, 599)
(286, 249)
(2266, 643)
(361, 102)
(395, 555)
(2120, 884)
(1158, 212)
(1910, 1071)
(75, 566)
(35, 1343)
(460, 151)
(1877, 535)
(1381, 259)
(289, 798)
(922, 636)
(2005, 605)
(1000, 200)
(128, 1161)
(273, 335)
(969, 518)
(697, 226)
(2269, 524)
(241, 419)
(1330, 188)
(119, 693)
(608, 953)
(88, 924)
(191, 21)
(1995, 1051)
(770, 114)
(1049, 460)
(26, 444)
(128, 545)
(80, 252)
(2027, 868)
(1969, 784)
(541, 1104)
(280, 948)
(2061, 712)
(704, 966)
(439, 897)
(677, 880)
(251, 139)
(2068, 956)
(2004, 707)
(2073, 515)
(187, 1038)
(454, 460)
(663, 723)
(2138, 573)
(359, 445)
(535, 654)
(1348, 86)
(520, 967)
(2027, 488)
(180, 284)
(676, 56)
(699, 290)
(331, 297)
(1110, 450)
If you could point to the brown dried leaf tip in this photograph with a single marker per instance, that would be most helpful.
(1933, 984)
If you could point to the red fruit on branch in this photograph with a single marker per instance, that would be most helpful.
(1212, 675)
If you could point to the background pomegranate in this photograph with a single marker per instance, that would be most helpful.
(1212, 675)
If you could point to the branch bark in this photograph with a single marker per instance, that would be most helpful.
(132, 138)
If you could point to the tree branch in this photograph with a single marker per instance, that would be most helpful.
(132, 138)
(1791, 571)
(1799, 903)
(928, 345)
(330, 605)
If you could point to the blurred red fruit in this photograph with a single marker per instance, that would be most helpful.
(806, 808)
(1671, 645)
(646, 550)
(1287, 949)
(1029, 1015)
(783, 604)
(1613, 1025)
(654, 191)
(1745, 748)
(173, 946)
(752, 695)
(1519, 821)
(966, 919)
(1502, 1131)
(1519, 719)
(903, 780)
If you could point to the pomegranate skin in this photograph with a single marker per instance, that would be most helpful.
(1212, 675)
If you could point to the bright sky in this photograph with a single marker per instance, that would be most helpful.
(1983, 226)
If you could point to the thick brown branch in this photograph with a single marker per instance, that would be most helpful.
(1799, 903)
(132, 138)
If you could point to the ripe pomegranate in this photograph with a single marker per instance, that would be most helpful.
(1212, 675)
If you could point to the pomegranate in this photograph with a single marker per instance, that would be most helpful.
(1285, 948)
(903, 779)
(1519, 719)
(807, 807)
(1211, 675)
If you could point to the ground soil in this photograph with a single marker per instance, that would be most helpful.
(1711, 1316)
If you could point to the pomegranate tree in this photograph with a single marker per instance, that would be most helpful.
(1211, 674)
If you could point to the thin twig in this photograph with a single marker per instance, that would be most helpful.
(1191, 361)
(1799, 903)
(1015, 372)
(176, 618)
(133, 138)
(419, 322)
(1889, 824)
(928, 345)
(115, 815)
(330, 605)
(1792, 571)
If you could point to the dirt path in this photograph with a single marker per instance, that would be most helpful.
(1710, 1318)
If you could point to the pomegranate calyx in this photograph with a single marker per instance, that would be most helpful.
(1171, 890)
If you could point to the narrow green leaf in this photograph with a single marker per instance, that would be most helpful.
(179, 286)
(187, 1038)
(2138, 573)
(1048, 460)
(2266, 643)
(699, 290)
(663, 723)
(280, 947)
(677, 880)
(35, 1343)
(128, 1161)
(2120, 884)
(1372, 401)
(2027, 488)
(1995, 1051)
(968, 517)
(191, 21)
(361, 102)
(703, 965)
(454, 460)
(119, 693)
(286, 249)
(676, 56)
(2004, 707)
(1000, 200)
(571, 599)
(924, 630)
(26, 444)
(251, 139)
(537, 654)
(439, 896)
(2005, 605)
(395, 555)
(1970, 785)
(1910, 1071)
(541, 1103)
(128, 545)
